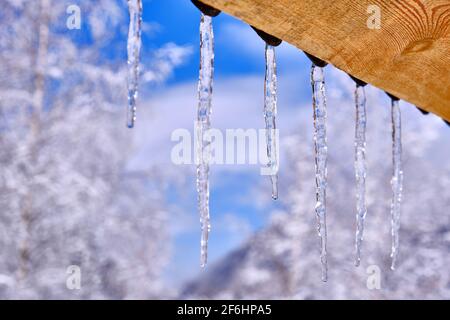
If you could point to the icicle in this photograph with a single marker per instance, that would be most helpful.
(205, 85)
(320, 143)
(397, 179)
(360, 168)
(133, 49)
(270, 107)
(270, 113)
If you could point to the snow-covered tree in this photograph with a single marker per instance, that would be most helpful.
(67, 195)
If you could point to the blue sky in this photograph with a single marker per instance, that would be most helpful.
(236, 43)
(237, 208)
(178, 21)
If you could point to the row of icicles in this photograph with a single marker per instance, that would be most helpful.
(205, 86)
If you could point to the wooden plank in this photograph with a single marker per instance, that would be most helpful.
(408, 56)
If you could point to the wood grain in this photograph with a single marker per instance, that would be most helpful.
(409, 56)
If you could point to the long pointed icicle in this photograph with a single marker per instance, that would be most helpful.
(133, 50)
(321, 150)
(397, 179)
(205, 86)
(270, 113)
(360, 168)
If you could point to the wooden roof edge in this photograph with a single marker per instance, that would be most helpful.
(407, 63)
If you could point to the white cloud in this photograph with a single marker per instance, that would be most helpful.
(237, 103)
(237, 227)
(166, 59)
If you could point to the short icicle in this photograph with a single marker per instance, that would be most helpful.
(203, 125)
(133, 50)
(397, 179)
(321, 150)
(270, 113)
(360, 168)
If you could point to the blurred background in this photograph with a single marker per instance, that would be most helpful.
(78, 188)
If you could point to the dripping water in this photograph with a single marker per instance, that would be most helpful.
(321, 149)
(397, 180)
(203, 125)
(270, 113)
(360, 168)
(133, 50)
